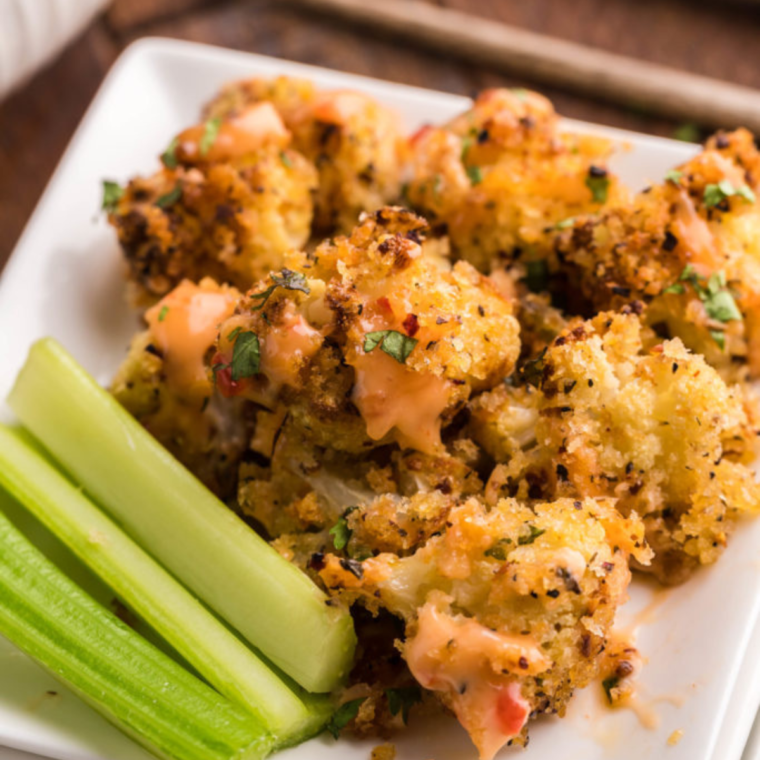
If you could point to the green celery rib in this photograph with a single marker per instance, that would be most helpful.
(271, 603)
(138, 688)
(137, 579)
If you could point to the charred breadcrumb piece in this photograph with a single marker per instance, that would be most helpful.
(229, 213)
(368, 342)
(166, 387)
(688, 248)
(507, 609)
(355, 143)
(659, 431)
(501, 176)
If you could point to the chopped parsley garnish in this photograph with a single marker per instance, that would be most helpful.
(717, 298)
(234, 333)
(169, 156)
(285, 158)
(674, 175)
(497, 550)
(598, 184)
(392, 342)
(537, 275)
(170, 198)
(343, 716)
(532, 536)
(687, 133)
(565, 223)
(520, 92)
(719, 338)
(246, 356)
(285, 279)
(467, 142)
(210, 133)
(716, 194)
(475, 174)
(340, 532)
(402, 700)
(112, 193)
(162, 314)
(532, 372)
(608, 685)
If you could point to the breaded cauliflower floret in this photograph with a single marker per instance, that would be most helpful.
(689, 248)
(659, 431)
(367, 341)
(502, 174)
(164, 384)
(507, 609)
(227, 204)
(354, 141)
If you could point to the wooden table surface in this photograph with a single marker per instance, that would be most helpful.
(711, 38)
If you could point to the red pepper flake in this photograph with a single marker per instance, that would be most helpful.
(411, 325)
(384, 305)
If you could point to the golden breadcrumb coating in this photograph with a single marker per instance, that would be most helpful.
(659, 431)
(230, 213)
(502, 174)
(684, 247)
(164, 384)
(507, 608)
(355, 142)
(367, 341)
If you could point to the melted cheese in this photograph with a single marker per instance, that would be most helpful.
(252, 129)
(466, 660)
(286, 346)
(694, 235)
(389, 395)
(184, 325)
(339, 106)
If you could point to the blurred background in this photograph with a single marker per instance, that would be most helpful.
(49, 74)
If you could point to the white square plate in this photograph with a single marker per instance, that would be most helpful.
(64, 280)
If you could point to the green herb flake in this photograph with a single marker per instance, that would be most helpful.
(343, 716)
(687, 133)
(475, 174)
(565, 223)
(169, 156)
(341, 533)
(402, 700)
(719, 338)
(234, 333)
(162, 314)
(532, 536)
(608, 685)
(717, 298)
(498, 550)
(285, 158)
(677, 288)
(112, 194)
(674, 175)
(395, 344)
(532, 372)
(210, 133)
(246, 356)
(467, 142)
(285, 279)
(717, 193)
(537, 275)
(599, 187)
(170, 198)
(520, 92)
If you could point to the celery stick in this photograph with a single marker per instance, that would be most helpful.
(205, 643)
(175, 518)
(138, 688)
